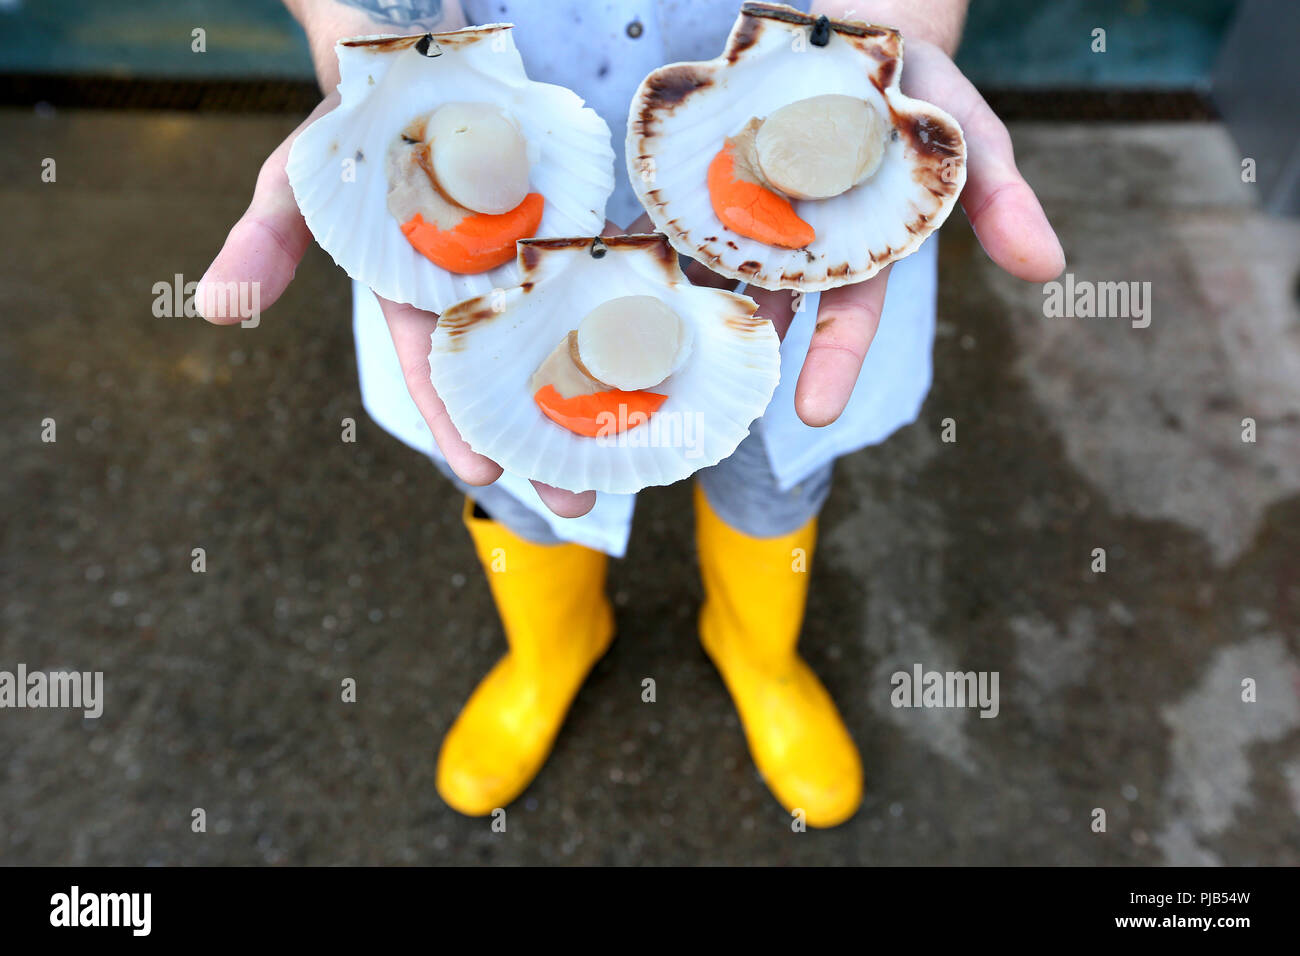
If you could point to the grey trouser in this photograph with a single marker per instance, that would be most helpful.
(741, 489)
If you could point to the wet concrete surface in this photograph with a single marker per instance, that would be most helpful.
(1119, 690)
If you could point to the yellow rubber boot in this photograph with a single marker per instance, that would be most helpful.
(558, 623)
(754, 595)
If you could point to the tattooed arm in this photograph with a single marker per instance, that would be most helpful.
(326, 21)
(425, 14)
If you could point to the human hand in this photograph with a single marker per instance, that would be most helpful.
(270, 239)
(999, 204)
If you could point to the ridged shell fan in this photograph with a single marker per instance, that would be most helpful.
(402, 100)
(844, 206)
(723, 363)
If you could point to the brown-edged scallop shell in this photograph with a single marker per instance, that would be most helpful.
(491, 353)
(780, 65)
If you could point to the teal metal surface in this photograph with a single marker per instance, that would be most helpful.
(243, 38)
(1150, 44)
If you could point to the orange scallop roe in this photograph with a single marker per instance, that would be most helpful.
(479, 242)
(751, 210)
(598, 414)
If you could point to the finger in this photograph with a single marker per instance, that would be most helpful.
(266, 244)
(776, 307)
(700, 275)
(411, 329)
(566, 504)
(847, 320)
(1003, 210)
(1001, 206)
(641, 224)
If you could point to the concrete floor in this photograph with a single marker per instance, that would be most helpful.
(326, 560)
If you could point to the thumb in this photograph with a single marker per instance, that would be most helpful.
(265, 246)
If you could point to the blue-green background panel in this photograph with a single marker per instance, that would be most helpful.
(1150, 44)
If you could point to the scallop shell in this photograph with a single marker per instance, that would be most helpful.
(485, 349)
(388, 81)
(682, 113)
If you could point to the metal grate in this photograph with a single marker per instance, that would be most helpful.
(116, 93)
(1094, 105)
(295, 96)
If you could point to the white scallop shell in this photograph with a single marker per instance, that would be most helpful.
(485, 350)
(682, 113)
(386, 83)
